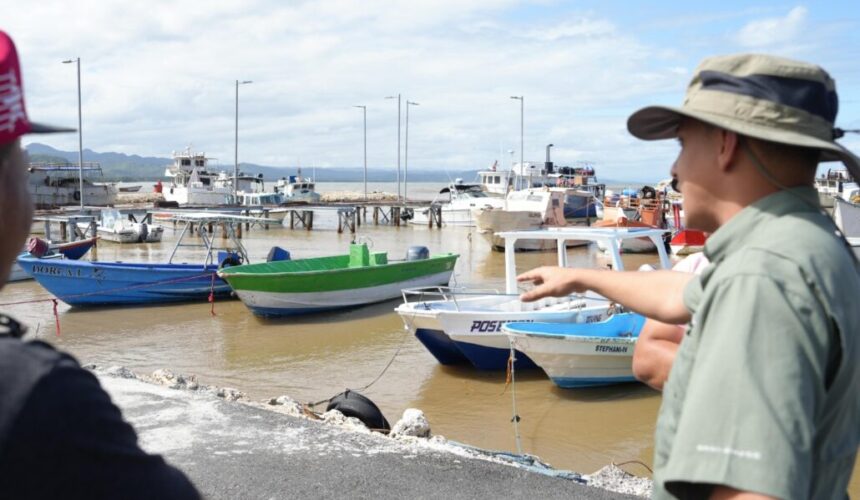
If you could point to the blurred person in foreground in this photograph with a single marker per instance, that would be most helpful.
(762, 400)
(60, 434)
(658, 342)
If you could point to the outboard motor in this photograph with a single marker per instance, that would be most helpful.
(37, 247)
(417, 253)
(277, 253)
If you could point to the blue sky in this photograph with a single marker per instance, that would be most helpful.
(159, 76)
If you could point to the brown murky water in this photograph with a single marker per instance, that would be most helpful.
(314, 357)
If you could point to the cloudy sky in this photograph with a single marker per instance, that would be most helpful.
(158, 76)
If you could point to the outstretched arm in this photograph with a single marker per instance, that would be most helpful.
(655, 294)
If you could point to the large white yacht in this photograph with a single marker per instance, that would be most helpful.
(192, 183)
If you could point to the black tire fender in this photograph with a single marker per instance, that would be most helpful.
(353, 404)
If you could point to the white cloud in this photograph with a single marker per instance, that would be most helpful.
(773, 31)
(159, 75)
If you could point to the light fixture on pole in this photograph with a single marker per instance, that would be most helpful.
(522, 110)
(364, 109)
(236, 143)
(398, 142)
(406, 152)
(80, 133)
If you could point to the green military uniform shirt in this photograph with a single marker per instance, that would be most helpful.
(764, 394)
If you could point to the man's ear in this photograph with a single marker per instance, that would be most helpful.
(729, 149)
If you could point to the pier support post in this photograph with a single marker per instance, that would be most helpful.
(63, 230)
(395, 214)
(266, 218)
(48, 229)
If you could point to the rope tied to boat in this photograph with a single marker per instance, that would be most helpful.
(56, 316)
(212, 296)
(510, 378)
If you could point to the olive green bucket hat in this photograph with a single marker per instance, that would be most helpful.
(759, 96)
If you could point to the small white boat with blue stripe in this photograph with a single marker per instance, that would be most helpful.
(576, 355)
(462, 326)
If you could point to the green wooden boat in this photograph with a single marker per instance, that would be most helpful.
(302, 286)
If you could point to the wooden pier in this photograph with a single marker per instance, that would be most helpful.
(68, 226)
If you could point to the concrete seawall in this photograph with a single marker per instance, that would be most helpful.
(236, 450)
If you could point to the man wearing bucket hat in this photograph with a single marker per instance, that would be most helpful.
(762, 398)
(60, 434)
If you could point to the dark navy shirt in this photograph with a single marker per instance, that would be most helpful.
(62, 437)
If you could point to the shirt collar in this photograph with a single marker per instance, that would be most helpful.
(735, 233)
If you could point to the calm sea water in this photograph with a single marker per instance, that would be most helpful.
(314, 357)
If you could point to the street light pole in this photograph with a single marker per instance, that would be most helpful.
(398, 143)
(364, 109)
(522, 111)
(236, 144)
(80, 133)
(406, 152)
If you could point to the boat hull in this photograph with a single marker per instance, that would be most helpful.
(470, 330)
(575, 356)
(80, 283)
(490, 222)
(273, 304)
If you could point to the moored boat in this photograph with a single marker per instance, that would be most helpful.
(457, 209)
(581, 354)
(463, 326)
(529, 209)
(99, 283)
(39, 248)
(687, 241)
(116, 228)
(304, 286)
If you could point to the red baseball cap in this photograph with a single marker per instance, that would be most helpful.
(13, 115)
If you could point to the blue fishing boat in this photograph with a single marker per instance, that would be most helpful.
(40, 248)
(81, 283)
(577, 355)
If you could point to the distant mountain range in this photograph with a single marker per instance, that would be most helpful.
(123, 167)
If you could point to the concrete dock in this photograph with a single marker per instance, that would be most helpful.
(235, 450)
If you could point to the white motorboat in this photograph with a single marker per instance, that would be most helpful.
(457, 209)
(115, 227)
(577, 355)
(465, 326)
(836, 184)
(297, 189)
(847, 218)
(529, 209)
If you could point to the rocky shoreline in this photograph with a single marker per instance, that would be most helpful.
(410, 434)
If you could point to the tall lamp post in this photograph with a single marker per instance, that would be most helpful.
(236, 143)
(77, 60)
(406, 152)
(364, 109)
(398, 142)
(522, 110)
